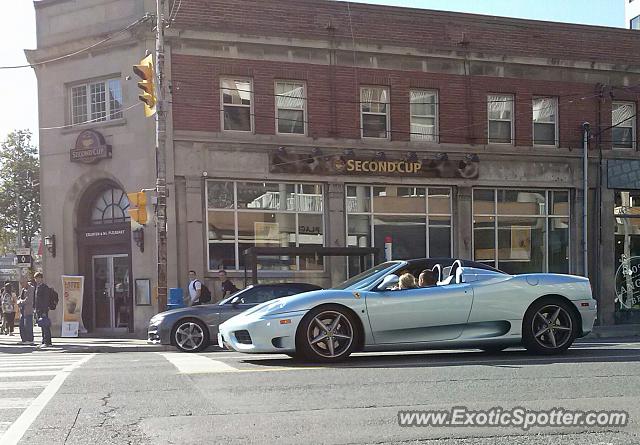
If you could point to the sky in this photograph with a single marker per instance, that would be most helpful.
(18, 89)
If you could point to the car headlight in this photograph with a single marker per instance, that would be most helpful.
(156, 319)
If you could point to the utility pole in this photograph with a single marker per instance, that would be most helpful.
(161, 160)
(585, 192)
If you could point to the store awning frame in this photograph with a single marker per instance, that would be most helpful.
(251, 255)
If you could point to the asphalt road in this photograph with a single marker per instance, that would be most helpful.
(225, 397)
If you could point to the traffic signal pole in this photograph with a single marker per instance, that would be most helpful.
(161, 161)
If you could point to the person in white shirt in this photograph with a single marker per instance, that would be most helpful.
(195, 288)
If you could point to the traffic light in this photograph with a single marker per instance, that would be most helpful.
(138, 208)
(148, 94)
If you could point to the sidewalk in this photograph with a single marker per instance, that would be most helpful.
(615, 331)
(9, 344)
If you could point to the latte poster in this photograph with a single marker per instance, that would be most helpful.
(72, 291)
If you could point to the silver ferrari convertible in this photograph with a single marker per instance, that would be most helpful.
(471, 306)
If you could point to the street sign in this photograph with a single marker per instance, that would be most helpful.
(24, 257)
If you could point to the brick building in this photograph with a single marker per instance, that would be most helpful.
(312, 122)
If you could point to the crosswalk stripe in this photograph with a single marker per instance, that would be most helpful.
(196, 364)
(42, 367)
(16, 430)
(6, 375)
(13, 403)
(23, 384)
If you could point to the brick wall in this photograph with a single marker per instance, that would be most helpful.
(412, 28)
(333, 91)
(334, 112)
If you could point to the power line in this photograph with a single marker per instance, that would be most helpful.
(97, 119)
(90, 47)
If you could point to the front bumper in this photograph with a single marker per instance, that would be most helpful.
(275, 334)
(157, 334)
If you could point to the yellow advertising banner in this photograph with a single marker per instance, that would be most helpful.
(72, 292)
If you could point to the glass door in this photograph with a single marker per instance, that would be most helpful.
(111, 291)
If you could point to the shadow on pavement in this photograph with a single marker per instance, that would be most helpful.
(428, 359)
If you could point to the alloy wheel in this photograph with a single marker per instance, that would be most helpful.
(552, 326)
(330, 334)
(189, 336)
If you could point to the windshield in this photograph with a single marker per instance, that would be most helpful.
(233, 295)
(368, 277)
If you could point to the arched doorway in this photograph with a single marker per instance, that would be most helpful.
(104, 253)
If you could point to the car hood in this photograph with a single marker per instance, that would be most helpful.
(299, 302)
(194, 310)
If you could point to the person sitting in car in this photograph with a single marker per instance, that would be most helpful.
(407, 281)
(427, 278)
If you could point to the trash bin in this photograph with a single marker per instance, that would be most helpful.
(176, 300)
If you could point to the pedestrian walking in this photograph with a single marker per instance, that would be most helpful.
(228, 288)
(195, 288)
(26, 303)
(8, 309)
(42, 304)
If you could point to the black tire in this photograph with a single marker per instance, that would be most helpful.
(185, 324)
(497, 348)
(563, 331)
(342, 347)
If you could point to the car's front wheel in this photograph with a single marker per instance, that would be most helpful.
(327, 334)
(549, 327)
(190, 335)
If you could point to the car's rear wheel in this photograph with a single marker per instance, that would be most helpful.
(549, 327)
(190, 335)
(327, 334)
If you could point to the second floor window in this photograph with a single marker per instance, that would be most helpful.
(374, 112)
(96, 101)
(424, 115)
(500, 114)
(545, 128)
(236, 104)
(290, 107)
(623, 118)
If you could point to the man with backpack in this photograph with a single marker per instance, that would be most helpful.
(198, 292)
(46, 299)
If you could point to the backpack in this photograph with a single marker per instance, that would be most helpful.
(205, 293)
(53, 299)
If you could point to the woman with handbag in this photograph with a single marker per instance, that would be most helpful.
(8, 309)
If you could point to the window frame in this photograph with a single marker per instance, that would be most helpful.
(548, 217)
(387, 114)
(632, 125)
(236, 210)
(371, 213)
(251, 105)
(436, 134)
(556, 125)
(511, 121)
(108, 112)
(304, 106)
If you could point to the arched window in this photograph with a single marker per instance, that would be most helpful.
(110, 207)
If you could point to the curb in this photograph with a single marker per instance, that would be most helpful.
(619, 331)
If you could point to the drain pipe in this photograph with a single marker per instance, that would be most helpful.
(585, 188)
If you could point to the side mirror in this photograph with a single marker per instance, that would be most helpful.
(236, 301)
(389, 281)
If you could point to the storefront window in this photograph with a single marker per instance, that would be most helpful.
(241, 215)
(522, 231)
(627, 248)
(414, 221)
